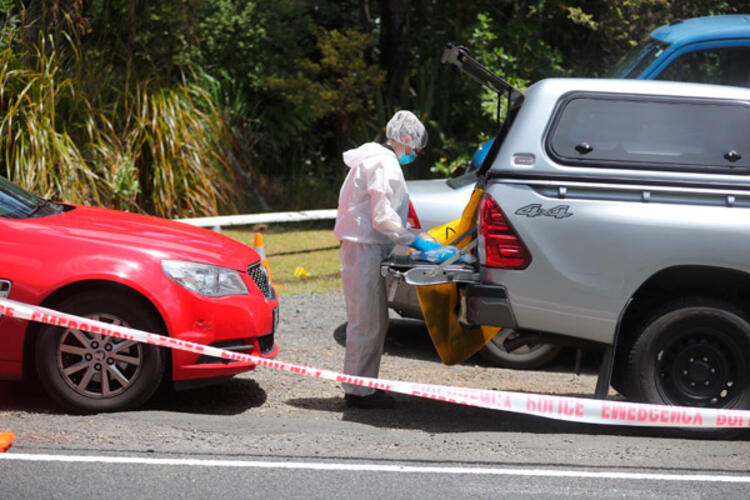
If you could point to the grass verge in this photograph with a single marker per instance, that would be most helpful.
(311, 246)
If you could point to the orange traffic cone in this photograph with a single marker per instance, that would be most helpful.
(261, 251)
(258, 246)
(6, 439)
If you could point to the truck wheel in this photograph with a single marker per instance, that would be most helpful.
(693, 353)
(526, 357)
(85, 372)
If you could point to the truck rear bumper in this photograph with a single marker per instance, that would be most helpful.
(487, 305)
(480, 304)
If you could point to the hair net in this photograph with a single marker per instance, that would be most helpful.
(405, 128)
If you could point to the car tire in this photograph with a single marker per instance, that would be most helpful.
(692, 353)
(87, 373)
(526, 357)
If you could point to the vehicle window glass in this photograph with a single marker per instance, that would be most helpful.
(651, 133)
(722, 66)
(463, 180)
(15, 202)
(640, 57)
(498, 141)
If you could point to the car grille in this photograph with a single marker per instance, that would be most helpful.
(266, 343)
(239, 345)
(260, 276)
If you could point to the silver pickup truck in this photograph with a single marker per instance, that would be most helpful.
(616, 216)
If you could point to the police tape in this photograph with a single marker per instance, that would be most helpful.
(572, 409)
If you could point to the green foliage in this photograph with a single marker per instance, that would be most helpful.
(77, 130)
(176, 146)
(123, 181)
(229, 34)
(456, 157)
(37, 148)
(607, 29)
(338, 87)
(324, 103)
(194, 107)
(516, 51)
(520, 56)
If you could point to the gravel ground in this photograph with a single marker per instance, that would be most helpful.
(267, 412)
(270, 414)
(312, 332)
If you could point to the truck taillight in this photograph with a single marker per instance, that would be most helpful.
(502, 245)
(412, 219)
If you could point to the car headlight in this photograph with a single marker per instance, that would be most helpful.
(205, 279)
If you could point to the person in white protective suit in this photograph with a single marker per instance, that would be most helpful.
(371, 218)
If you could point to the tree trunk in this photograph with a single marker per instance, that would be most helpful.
(364, 12)
(394, 44)
(130, 26)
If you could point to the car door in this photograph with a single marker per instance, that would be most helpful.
(723, 62)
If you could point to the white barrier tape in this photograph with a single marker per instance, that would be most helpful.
(266, 218)
(583, 410)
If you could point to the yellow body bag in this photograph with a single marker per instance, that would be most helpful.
(453, 342)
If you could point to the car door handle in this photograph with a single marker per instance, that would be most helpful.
(584, 148)
(732, 156)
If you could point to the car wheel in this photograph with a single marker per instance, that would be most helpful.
(693, 353)
(525, 357)
(86, 372)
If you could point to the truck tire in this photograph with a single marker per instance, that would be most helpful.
(526, 357)
(85, 372)
(693, 353)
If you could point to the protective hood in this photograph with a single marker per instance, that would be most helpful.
(370, 151)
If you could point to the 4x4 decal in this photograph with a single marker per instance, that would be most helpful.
(535, 209)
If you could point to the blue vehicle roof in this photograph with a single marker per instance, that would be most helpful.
(704, 28)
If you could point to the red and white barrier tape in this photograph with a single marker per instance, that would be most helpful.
(584, 410)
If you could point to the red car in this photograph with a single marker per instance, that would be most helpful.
(127, 269)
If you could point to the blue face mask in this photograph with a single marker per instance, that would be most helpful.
(404, 159)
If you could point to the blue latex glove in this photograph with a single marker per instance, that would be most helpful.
(431, 251)
(424, 245)
(440, 254)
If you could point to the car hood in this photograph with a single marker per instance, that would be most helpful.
(161, 238)
(436, 203)
(429, 187)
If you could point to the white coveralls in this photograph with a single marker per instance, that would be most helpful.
(371, 218)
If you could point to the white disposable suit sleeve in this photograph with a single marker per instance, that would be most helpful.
(384, 217)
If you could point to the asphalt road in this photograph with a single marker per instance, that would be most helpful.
(58, 476)
(276, 435)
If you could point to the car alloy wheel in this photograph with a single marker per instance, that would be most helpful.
(97, 366)
(86, 372)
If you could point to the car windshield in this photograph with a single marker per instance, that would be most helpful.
(17, 203)
(638, 59)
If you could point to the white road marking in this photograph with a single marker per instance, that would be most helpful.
(407, 469)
